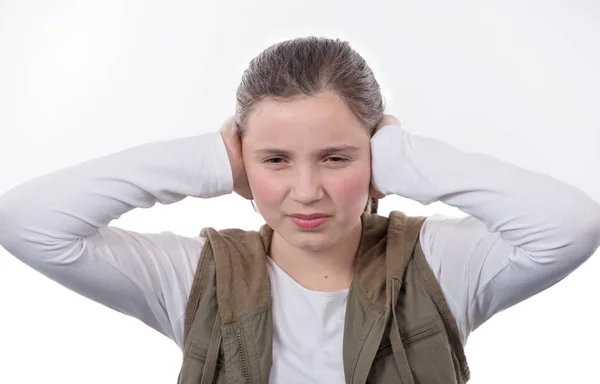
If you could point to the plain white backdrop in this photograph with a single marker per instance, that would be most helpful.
(79, 79)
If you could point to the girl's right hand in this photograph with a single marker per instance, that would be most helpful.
(233, 145)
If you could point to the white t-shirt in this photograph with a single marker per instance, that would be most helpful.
(308, 331)
(523, 232)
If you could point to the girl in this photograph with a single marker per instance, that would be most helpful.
(311, 146)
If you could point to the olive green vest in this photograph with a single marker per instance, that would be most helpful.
(398, 326)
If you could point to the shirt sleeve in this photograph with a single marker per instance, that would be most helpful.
(58, 224)
(524, 231)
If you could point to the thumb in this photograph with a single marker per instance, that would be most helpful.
(374, 193)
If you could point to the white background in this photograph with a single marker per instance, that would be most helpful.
(516, 79)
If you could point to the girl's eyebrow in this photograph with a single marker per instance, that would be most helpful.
(332, 149)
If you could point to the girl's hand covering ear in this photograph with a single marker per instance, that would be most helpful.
(387, 120)
(233, 144)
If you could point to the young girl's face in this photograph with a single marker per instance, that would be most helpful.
(308, 156)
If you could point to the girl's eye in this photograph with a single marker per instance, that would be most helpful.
(280, 160)
(337, 159)
(274, 160)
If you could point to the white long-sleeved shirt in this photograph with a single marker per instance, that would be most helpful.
(524, 231)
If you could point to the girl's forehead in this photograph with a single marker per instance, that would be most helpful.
(319, 118)
(325, 109)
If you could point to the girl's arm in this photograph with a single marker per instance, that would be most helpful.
(526, 230)
(58, 225)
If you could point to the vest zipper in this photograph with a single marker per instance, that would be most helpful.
(245, 367)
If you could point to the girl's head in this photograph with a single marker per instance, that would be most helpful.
(306, 110)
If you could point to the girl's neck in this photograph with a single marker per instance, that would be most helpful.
(328, 270)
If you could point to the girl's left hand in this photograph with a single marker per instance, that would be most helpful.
(387, 120)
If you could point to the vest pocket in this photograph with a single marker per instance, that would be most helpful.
(419, 334)
(430, 356)
(409, 339)
(193, 366)
(427, 351)
(198, 352)
(384, 351)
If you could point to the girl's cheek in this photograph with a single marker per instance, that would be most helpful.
(350, 187)
(346, 187)
(266, 189)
